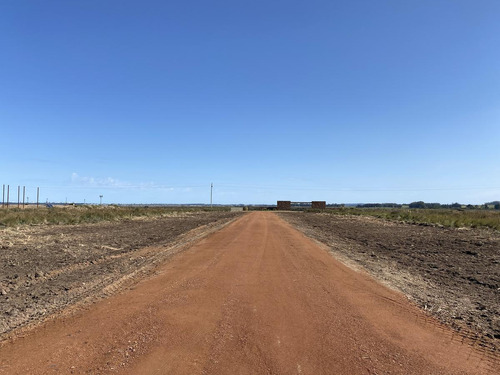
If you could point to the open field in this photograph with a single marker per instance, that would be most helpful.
(46, 268)
(31, 215)
(256, 297)
(452, 273)
(467, 218)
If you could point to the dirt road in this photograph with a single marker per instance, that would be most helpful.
(257, 297)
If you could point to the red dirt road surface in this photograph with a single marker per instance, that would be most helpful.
(257, 297)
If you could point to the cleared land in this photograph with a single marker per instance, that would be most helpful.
(46, 268)
(452, 273)
(256, 297)
(453, 218)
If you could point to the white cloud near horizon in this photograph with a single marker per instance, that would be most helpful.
(111, 182)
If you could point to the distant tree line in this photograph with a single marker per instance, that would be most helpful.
(380, 205)
(421, 204)
(494, 204)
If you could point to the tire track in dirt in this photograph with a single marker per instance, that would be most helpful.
(139, 263)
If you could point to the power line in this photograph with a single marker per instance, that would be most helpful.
(275, 187)
(144, 187)
(357, 189)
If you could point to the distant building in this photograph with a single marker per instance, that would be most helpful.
(320, 205)
(284, 205)
(287, 205)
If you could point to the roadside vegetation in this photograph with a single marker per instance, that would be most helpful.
(445, 217)
(88, 214)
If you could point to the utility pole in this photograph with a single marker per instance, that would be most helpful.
(37, 196)
(100, 201)
(8, 190)
(3, 195)
(24, 194)
(211, 191)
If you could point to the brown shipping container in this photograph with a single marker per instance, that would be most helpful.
(321, 205)
(284, 205)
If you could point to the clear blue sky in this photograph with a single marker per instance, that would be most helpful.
(343, 101)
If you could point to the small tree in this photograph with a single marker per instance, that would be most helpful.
(419, 204)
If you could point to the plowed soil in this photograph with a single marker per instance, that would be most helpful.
(257, 297)
(45, 269)
(453, 274)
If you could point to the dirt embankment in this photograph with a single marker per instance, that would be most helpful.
(452, 273)
(44, 269)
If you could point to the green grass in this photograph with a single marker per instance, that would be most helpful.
(445, 217)
(87, 214)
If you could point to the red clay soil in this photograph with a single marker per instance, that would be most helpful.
(257, 297)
